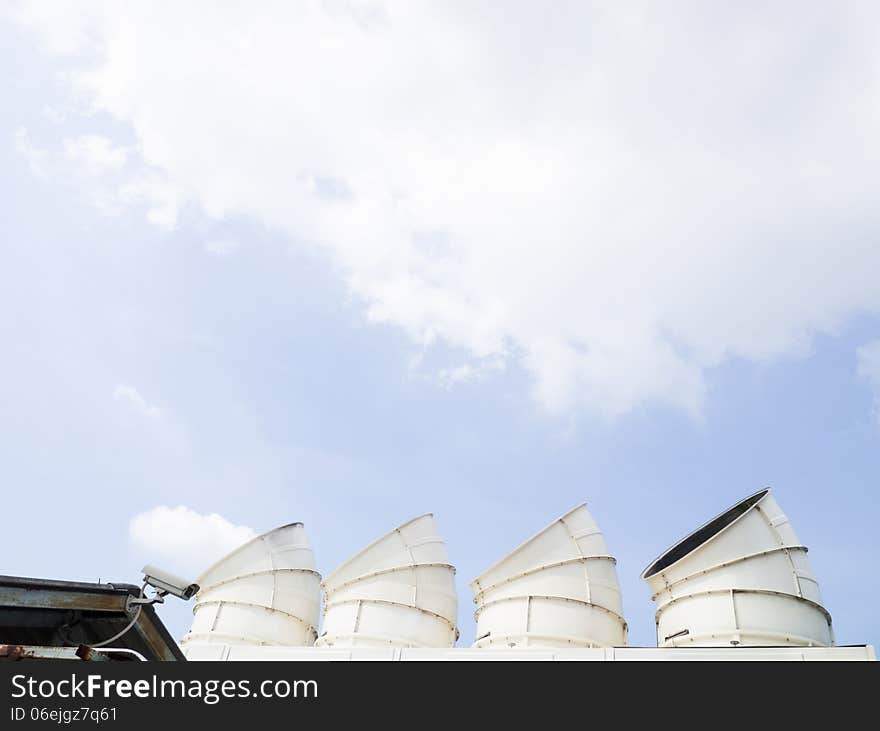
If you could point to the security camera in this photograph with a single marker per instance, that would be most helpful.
(166, 583)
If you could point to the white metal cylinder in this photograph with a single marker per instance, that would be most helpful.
(266, 592)
(397, 592)
(558, 589)
(741, 579)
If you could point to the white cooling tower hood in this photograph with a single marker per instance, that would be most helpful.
(558, 589)
(266, 592)
(741, 579)
(398, 592)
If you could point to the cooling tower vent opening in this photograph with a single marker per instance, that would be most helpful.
(703, 534)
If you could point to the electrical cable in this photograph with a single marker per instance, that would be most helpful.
(119, 634)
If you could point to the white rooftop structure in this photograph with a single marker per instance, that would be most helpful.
(558, 589)
(266, 592)
(743, 578)
(739, 587)
(397, 592)
(616, 654)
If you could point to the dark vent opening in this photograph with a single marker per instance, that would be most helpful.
(701, 535)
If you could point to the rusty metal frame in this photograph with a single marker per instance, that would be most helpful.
(22, 594)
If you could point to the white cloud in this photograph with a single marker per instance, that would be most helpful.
(455, 375)
(184, 540)
(54, 115)
(221, 247)
(97, 154)
(619, 198)
(869, 368)
(465, 373)
(35, 156)
(160, 199)
(95, 168)
(131, 396)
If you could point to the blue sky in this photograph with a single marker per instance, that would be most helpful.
(466, 284)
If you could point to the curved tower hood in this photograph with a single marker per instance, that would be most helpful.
(266, 592)
(741, 579)
(558, 589)
(398, 592)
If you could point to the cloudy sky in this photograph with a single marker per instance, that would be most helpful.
(346, 262)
